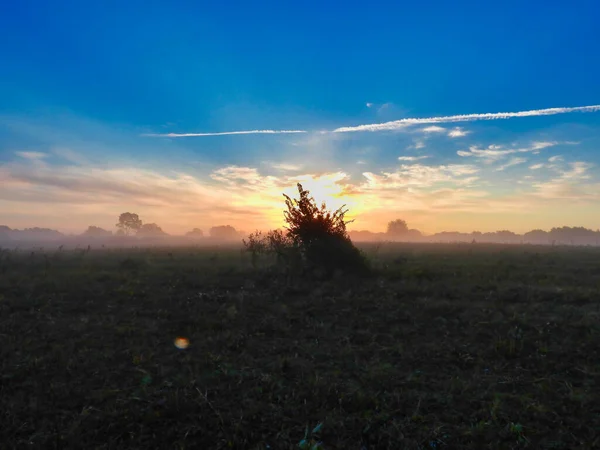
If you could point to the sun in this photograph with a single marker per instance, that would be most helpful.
(328, 188)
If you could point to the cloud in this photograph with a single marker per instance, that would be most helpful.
(70, 156)
(495, 152)
(398, 124)
(418, 144)
(43, 190)
(513, 162)
(419, 175)
(95, 195)
(555, 158)
(249, 198)
(571, 184)
(433, 129)
(286, 167)
(417, 187)
(458, 132)
(31, 155)
(537, 166)
(578, 171)
(411, 158)
(224, 133)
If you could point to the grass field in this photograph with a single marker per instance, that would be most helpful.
(447, 346)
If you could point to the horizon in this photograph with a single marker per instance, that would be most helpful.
(197, 117)
(243, 233)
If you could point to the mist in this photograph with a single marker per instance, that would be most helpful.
(152, 235)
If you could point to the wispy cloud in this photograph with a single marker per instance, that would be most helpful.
(512, 162)
(241, 196)
(417, 144)
(31, 155)
(223, 133)
(457, 132)
(286, 167)
(572, 184)
(70, 156)
(421, 176)
(495, 152)
(412, 158)
(398, 124)
(433, 129)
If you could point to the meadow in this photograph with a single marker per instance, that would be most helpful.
(444, 346)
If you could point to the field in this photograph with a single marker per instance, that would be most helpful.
(446, 346)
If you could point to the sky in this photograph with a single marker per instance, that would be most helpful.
(455, 116)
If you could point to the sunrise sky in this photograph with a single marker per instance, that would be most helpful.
(451, 115)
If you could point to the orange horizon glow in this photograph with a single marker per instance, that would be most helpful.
(431, 198)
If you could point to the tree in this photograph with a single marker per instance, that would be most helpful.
(150, 229)
(93, 231)
(397, 227)
(195, 233)
(537, 237)
(321, 234)
(224, 232)
(129, 223)
(4, 232)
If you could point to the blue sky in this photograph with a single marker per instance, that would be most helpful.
(83, 85)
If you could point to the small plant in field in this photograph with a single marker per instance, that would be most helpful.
(516, 431)
(310, 442)
(275, 243)
(255, 245)
(512, 345)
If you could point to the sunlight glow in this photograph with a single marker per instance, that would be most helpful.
(330, 188)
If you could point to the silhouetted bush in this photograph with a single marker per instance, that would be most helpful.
(315, 241)
(321, 236)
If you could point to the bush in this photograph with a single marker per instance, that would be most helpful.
(321, 236)
(275, 243)
(316, 241)
(256, 245)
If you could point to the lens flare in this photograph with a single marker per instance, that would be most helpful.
(182, 343)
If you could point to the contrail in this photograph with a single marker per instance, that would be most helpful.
(396, 124)
(224, 133)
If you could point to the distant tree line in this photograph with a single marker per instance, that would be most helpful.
(398, 230)
(130, 224)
